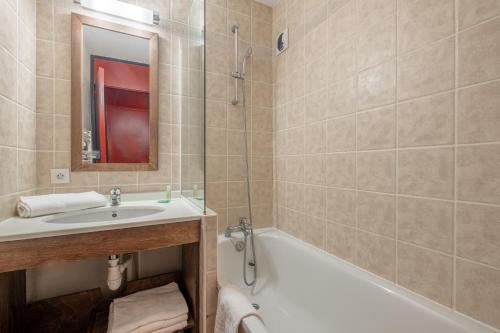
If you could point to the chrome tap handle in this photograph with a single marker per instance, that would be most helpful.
(115, 196)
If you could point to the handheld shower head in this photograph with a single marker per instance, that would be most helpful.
(248, 54)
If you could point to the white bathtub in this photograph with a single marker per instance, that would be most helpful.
(302, 289)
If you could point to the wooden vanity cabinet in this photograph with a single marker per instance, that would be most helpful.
(86, 311)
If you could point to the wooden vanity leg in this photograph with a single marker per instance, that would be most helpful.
(190, 276)
(12, 300)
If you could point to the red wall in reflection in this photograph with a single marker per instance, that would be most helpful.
(124, 117)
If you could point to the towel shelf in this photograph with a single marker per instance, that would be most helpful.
(87, 311)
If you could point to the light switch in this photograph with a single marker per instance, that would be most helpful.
(59, 176)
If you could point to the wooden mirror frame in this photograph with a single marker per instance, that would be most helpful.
(77, 22)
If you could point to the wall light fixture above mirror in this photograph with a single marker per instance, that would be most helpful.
(122, 9)
(114, 123)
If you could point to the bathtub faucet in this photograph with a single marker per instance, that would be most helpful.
(245, 227)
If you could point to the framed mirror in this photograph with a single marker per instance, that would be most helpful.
(114, 87)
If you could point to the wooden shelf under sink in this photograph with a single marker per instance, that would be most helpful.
(87, 311)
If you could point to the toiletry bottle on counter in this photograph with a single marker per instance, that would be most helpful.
(168, 193)
(195, 191)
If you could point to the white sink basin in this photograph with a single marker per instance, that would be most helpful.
(105, 214)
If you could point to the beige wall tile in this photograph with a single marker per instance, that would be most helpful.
(242, 6)
(316, 42)
(216, 19)
(376, 129)
(27, 172)
(478, 113)
(118, 178)
(314, 169)
(8, 79)
(341, 206)
(342, 98)
(295, 169)
(315, 13)
(314, 138)
(478, 233)
(216, 195)
(426, 121)
(8, 123)
(426, 172)
(27, 47)
(316, 106)
(44, 95)
(295, 196)
(8, 29)
(62, 57)
(314, 231)
(377, 42)
(424, 21)
(26, 88)
(262, 12)
(342, 61)
(340, 241)
(314, 201)
(370, 11)
(376, 254)
(62, 101)
(427, 223)
(478, 173)
(341, 134)
(237, 194)
(216, 141)
(377, 86)
(425, 272)
(62, 133)
(376, 171)
(295, 141)
(377, 213)
(341, 170)
(261, 34)
(44, 16)
(471, 12)
(8, 165)
(7, 206)
(262, 168)
(428, 70)
(26, 129)
(478, 49)
(478, 292)
(44, 162)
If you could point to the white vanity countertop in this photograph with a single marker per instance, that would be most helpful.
(177, 210)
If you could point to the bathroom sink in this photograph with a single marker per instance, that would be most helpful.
(105, 214)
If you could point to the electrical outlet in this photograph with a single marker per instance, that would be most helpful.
(59, 176)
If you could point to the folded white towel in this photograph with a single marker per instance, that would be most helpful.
(58, 203)
(169, 325)
(233, 307)
(161, 309)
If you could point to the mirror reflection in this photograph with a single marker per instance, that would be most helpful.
(115, 97)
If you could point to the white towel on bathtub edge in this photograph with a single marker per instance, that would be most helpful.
(232, 308)
(38, 205)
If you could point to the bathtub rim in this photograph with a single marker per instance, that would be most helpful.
(407, 295)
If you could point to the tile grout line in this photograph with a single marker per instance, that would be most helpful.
(396, 136)
(455, 150)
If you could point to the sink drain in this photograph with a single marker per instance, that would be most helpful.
(256, 306)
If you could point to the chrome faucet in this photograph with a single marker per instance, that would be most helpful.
(115, 196)
(245, 227)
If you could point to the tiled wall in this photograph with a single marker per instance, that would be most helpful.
(225, 166)
(180, 65)
(17, 102)
(387, 130)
